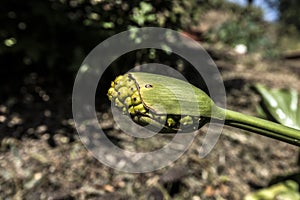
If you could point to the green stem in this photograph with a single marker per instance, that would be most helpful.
(263, 127)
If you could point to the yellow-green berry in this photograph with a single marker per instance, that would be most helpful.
(187, 120)
(171, 122)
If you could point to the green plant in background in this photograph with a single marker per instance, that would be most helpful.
(143, 13)
(289, 12)
(288, 190)
(240, 30)
(282, 106)
(168, 104)
(36, 34)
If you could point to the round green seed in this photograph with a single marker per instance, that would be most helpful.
(136, 99)
(118, 103)
(110, 93)
(127, 101)
(171, 122)
(187, 120)
(140, 108)
(131, 110)
(122, 93)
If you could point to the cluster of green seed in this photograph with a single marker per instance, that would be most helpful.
(124, 93)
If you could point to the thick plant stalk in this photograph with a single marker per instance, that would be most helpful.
(168, 104)
(263, 127)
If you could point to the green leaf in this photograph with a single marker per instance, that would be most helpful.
(146, 7)
(283, 190)
(281, 104)
(108, 25)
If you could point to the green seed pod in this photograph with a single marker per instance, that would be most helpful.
(167, 103)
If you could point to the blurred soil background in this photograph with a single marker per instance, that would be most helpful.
(42, 45)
